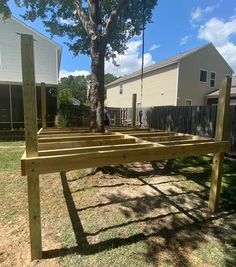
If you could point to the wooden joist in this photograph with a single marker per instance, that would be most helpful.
(78, 138)
(97, 149)
(85, 143)
(49, 164)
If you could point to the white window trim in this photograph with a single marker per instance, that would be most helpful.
(188, 99)
(200, 76)
(213, 79)
(121, 88)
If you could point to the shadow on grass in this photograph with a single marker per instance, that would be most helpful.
(177, 235)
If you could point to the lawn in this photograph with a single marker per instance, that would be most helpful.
(149, 214)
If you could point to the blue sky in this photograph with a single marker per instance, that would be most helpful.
(178, 25)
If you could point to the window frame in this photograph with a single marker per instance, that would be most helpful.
(206, 76)
(121, 88)
(213, 79)
(188, 99)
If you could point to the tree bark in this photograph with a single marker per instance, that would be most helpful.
(97, 86)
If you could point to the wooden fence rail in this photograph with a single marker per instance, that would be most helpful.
(197, 120)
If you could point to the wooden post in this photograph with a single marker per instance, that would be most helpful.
(10, 104)
(220, 135)
(31, 140)
(43, 106)
(134, 101)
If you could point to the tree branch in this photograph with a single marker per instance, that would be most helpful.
(114, 14)
(84, 18)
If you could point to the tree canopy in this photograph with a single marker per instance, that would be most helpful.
(98, 28)
(78, 87)
(73, 86)
(118, 20)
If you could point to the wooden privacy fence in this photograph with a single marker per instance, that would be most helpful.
(197, 120)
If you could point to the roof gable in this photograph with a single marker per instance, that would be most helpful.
(165, 63)
(35, 32)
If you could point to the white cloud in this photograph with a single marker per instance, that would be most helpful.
(228, 51)
(65, 73)
(66, 21)
(219, 32)
(154, 47)
(130, 61)
(198, 12)
(184, 40)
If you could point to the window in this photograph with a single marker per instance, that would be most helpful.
(203, 76)
(213, 79)
(188, 102)
(121, 88)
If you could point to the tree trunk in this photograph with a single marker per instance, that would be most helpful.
(97, 86)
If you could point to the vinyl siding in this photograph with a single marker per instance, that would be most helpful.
(46, 62)
(189, 85)
(159, 89)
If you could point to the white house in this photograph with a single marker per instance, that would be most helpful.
(47, 66)
(184, 79)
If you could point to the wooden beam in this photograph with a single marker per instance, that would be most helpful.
(78, 138)
(51, 164)
(43, 106)
(188, 141)
(151, 134)
(128, 130)
(92, 149)
(134, 104)
(30, 120)
(167, 138)
(220, 134)
(49, 135)
(64, 130)
(86, 143)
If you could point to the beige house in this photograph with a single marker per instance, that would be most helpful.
(182, 80)
(212, 98)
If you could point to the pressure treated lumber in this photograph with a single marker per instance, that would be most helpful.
(78, 138)
(97, 149)
(221, 134)
(30, 120)
(51, 164)
(86, 143)
(43, 106)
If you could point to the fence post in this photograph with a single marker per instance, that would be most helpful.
(43, 106)
(31, 140)
(220, 135)
(134, 101)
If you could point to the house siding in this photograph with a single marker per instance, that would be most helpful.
(189, 84)
(46, 62)
(159, 88)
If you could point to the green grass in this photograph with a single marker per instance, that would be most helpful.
(122, 235)
(10, 154)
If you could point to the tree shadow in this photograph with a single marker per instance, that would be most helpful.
(176, 229)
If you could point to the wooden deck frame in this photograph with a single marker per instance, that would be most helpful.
(54, 150)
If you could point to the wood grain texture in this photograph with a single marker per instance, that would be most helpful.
(220, 135)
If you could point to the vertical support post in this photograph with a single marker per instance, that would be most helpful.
(43, 106)
(31, 140)
(10, 103)
(134, 103)
(220, 135)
